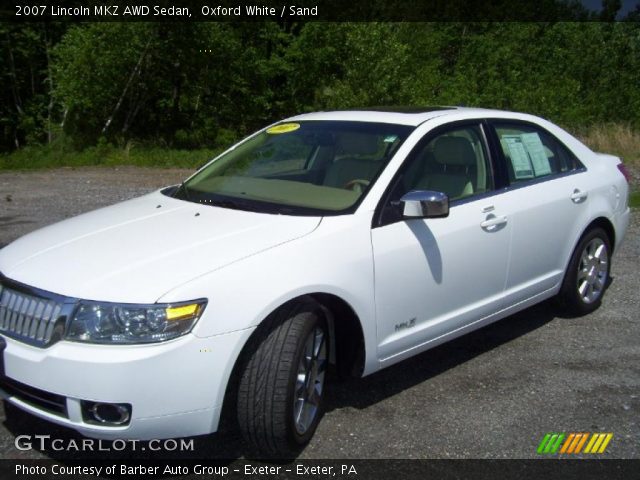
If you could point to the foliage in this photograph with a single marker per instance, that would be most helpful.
(203, 85)
(61, 153)
(615, 138)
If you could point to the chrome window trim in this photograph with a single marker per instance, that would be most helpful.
(492, 170)
(517, 186)
(493, 121)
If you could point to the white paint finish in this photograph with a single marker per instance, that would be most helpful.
(543, 219)
(438, 272)
(450, 274)
(135, 252)
(335, 259)
(182, 378)
(372, 116)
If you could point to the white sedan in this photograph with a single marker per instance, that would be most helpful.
(353, 239)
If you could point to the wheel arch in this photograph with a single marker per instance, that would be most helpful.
(345, 331)
(606, 225)
(598, 222)
(567, 300)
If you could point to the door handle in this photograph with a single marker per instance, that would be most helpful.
(493, 221)
(578, 196)
(488, 208)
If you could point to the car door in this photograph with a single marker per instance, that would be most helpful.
(434, 277)
(546, 201)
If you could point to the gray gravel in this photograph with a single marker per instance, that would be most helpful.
(491, 394)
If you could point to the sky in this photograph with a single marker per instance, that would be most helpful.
(627, 6)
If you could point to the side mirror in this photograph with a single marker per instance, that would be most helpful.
(424, 204)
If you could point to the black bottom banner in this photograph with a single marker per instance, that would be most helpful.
(323, 469)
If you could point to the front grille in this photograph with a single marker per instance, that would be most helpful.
(30, 318)
(50, 402)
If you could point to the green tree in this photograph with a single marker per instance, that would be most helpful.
(28, 109)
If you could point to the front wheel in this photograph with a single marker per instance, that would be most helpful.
(587, 276)
(282, 386)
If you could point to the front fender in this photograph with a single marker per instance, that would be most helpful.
(335, 259)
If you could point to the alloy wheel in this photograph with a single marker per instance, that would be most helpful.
(310, 380)
(593, 271)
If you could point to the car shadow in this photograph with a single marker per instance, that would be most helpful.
(228, 445)
(363, 392)
(429, 246)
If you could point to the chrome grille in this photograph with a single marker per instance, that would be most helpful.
(28, 317)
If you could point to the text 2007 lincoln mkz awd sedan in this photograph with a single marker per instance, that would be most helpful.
(351, 238)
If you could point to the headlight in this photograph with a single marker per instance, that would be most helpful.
(114, 323)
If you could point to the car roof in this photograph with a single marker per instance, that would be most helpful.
(413, 116)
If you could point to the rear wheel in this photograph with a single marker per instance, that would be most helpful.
(282, 386)
(587, 276)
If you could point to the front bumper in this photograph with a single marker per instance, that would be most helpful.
(175, 388)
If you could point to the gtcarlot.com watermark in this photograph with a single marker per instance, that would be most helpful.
(45, 442)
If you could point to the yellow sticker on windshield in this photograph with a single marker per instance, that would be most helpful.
(283, 128)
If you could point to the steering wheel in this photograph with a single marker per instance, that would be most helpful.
(357, 185)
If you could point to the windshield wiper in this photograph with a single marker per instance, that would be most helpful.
(232, 204)
(185, 191)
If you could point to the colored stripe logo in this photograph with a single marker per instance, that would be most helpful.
(572, 443)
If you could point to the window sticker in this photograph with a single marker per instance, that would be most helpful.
(537, 154)
(283, 128)
(522, 167)
(390, 138)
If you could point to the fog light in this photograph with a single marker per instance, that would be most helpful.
(114, 414)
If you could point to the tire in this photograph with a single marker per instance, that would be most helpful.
(277, 412)
(587, 276)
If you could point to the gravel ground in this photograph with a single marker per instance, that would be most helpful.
(491, 394)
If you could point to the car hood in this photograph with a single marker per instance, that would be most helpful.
(138, 250)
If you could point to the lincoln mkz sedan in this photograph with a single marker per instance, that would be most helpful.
(338, 242)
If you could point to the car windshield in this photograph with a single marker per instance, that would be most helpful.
(298, 168)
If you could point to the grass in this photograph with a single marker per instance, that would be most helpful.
(62, 155)
(621, 140)
(615, 138)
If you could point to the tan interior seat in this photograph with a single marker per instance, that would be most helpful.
(349, 166)
(455, 164)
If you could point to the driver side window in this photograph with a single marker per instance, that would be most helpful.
(454, 162)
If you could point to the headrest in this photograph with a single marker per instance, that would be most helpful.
(454, 151)
(354, 143)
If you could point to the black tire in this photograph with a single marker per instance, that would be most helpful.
(571, 299)
(267, 386)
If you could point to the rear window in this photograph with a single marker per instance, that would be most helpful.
(532, 152)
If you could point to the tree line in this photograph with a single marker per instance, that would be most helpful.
(194, 85)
